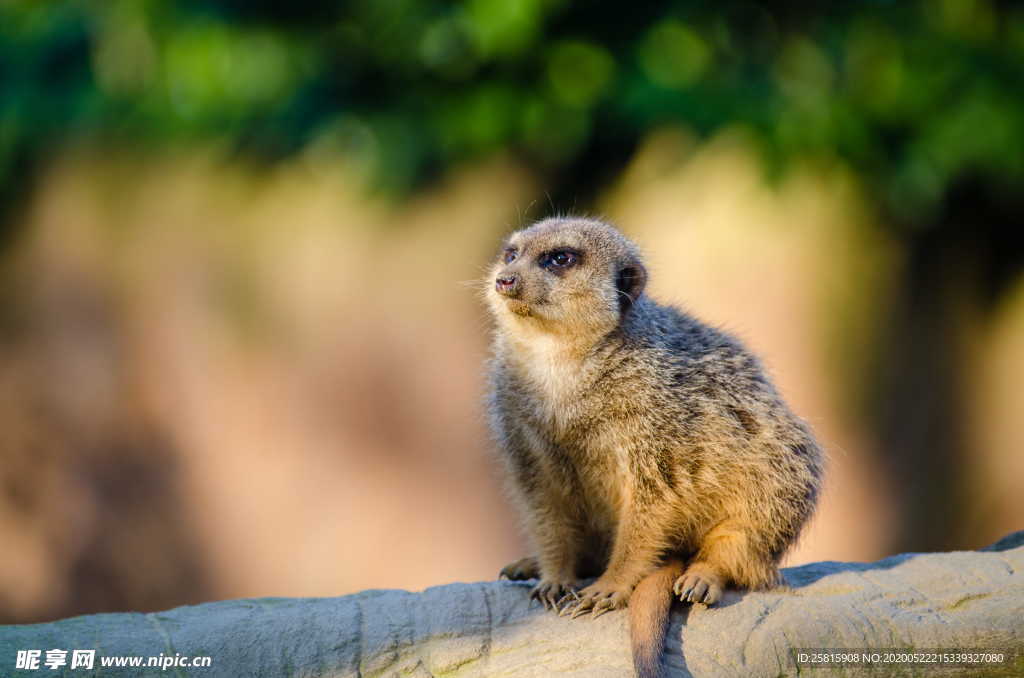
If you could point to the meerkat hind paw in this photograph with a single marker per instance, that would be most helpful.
(694, 588)
(520, 570)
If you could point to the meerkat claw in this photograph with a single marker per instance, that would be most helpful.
(692, 588)
(550, 594)
(566, 601)
(579, 612)
(603, 606)
(582, 607)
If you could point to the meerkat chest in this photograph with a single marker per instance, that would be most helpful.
(555, 380)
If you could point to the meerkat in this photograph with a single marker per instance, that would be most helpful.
(642, 446)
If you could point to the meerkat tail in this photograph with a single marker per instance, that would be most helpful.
(649, 608)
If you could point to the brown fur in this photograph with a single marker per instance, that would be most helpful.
(636, 438)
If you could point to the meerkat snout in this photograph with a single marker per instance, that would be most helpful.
(507, 284)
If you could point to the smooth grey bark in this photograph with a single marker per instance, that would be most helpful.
(921, 601)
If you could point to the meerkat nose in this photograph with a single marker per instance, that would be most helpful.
(507, 284)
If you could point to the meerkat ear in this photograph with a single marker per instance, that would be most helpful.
(630, 282)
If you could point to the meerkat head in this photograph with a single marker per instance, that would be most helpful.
(566, 275)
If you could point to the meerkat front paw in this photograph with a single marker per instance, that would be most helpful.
(549, 592)
(524, 568)
(697, 587)
(598, 598)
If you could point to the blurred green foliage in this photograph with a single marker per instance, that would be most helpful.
(913, 95)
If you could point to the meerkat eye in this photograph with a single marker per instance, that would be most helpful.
(563, 258)
(559, 259)
(511, 254)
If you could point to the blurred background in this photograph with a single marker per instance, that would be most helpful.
(240, 329)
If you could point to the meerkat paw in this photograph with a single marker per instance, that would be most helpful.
(696, 587)
(524, 568)
(549, 592)
(598, 598)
